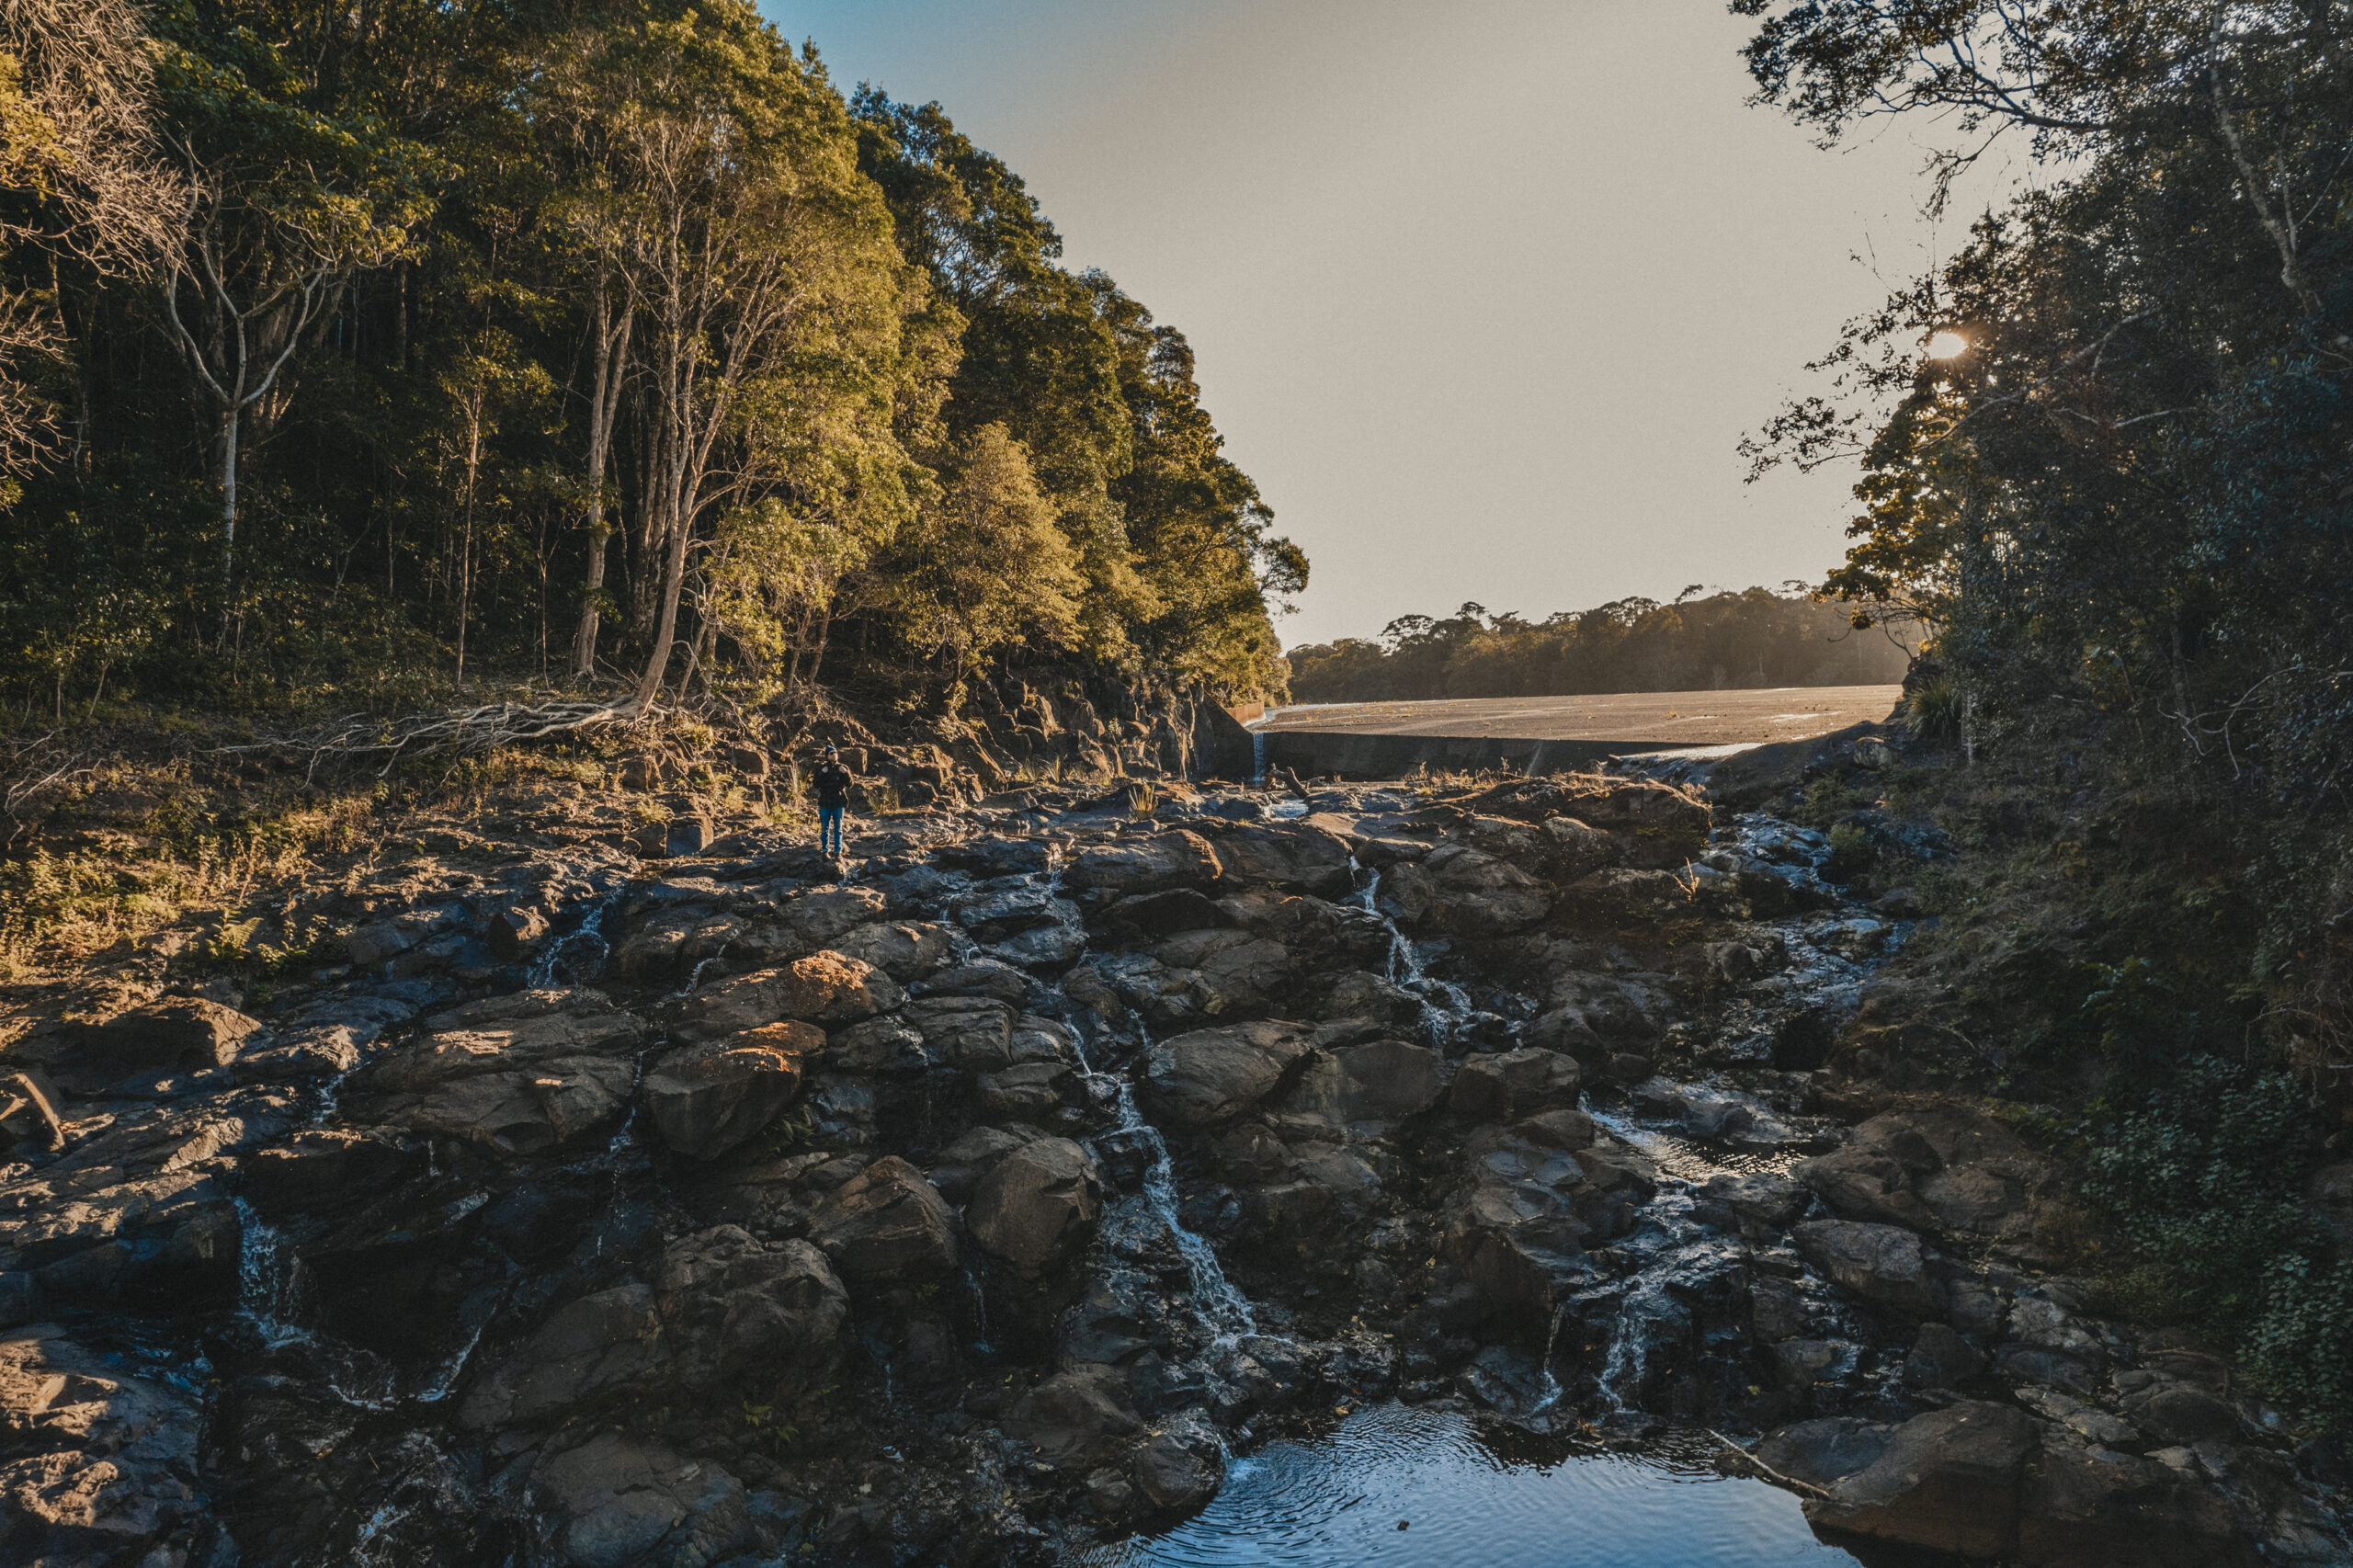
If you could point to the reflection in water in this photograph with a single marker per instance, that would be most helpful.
(1337, 1504)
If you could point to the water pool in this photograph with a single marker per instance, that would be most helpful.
(1337, 1503)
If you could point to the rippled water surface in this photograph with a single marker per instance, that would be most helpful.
(1337, 1504)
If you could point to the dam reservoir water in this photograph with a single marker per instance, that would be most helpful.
(1337, 1502)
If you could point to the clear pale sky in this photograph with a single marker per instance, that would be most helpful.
(1484, 293)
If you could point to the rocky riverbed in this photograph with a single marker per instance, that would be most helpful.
(981, 1196)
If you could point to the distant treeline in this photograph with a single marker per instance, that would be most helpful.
(1754, 637)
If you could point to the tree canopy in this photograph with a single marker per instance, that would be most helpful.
(352, 354)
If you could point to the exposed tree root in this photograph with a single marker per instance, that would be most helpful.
(365, 737)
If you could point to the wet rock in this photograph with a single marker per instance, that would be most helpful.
(885, 1047)
(824, 988)
(1038, 1206)
(1941, 1359)
(739, 1313)
(1947, 1169)
(724, 1308)
(516, 1086)
(706, 1099)
(1371, 1086)
(1165, 913)
(1073, 1416)
(1294, 856)
(1181, 1468)
(314, 1053)
(1359, 994)
(515, 932)
(1147, 865)
(1827, 1450)
(972, 1155)
(1030, 1090)
(1760, 1198)
(1467, 893)
(99, 1465)
(1233, 972)
(886, 1226)
(903, 951)
(973, 1032)
(1514, 1085)
(626, 1502)
(322, 1167)
(2093, 1507)
(1884, 1265)
(673, 942)
(1210, 1076)
(180, 1031)
(1947, 1482)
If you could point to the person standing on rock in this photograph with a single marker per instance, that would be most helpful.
(831, 781)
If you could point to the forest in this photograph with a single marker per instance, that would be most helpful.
(1700, 642)
(354, 357)
(2107, 451)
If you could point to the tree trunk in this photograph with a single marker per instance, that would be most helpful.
(612, 354)
(665, 629)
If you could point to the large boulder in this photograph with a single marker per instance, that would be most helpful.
(706, 1099)
(740, 1313)
(1370, 1086)
(723, 1309)
(823, 988)
(1071, 1417)
(98, 1463)
(1946, 1169)
(517, 1085)
(1824, 1452)
(905, 950)
(2094, 1508)
(886, 1225)
(179, 1032)
(621, 1501)
(1211, 1076)
(1155, 864)
(972, 1032)
(1038, 1206)
(1295, 855)
(1947, 1482)
(1466, 893)
(1885, 1264)
(1515, 1084)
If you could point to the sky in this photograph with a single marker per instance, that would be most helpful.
(1484, 294)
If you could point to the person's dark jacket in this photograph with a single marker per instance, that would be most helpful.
(832, 782)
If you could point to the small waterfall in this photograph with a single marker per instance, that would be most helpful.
(588, 940)
(267, 1280)
(1445, 1006)
(1544, 1366)
(981, 1345)
(683, 991)
(1257, 757)
(1222, 1307)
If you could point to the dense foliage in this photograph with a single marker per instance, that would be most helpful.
(2122, 489)
(347, 354)
(1757, 638)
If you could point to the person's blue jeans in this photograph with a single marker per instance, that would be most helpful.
(829, 830)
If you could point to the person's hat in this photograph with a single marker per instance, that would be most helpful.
(830, 751)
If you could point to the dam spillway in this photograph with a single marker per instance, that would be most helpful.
(1554, 734)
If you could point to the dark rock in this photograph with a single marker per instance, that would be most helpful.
(886, 1226)
(1374, 1084)
(1466, 892)
(1294, 856)
(1884, 1265)
(1825, 1451)
(1514, 1085)
(706, 1100)
(100, 1464)
(1147, 865)
(1038, 1206)
(1947, 1482)
(625, 1501)
(1211, 1076)
(903, 951)
(314, 1053)
(181, 1031)
(1071, 1418)
(1941, 1359)
(2097, 1508)
(1165, 913)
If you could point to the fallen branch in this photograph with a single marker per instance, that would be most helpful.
(1766, 1470)
(466, 732)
